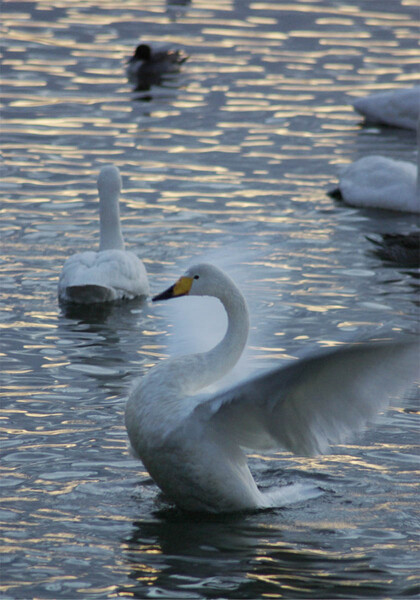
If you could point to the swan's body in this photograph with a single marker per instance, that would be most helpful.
(113, 273)
(399, 108)
(192, 444)
(380, 182)
(147, 66)
(399, 248)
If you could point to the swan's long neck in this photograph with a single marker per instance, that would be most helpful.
(109, 214)
(223, 357)
(203, 369)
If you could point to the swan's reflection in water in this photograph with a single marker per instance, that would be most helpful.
(248, 556)
(112, 313)
(105, 341)
(169, 547)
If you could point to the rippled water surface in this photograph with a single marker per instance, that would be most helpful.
(230, 161)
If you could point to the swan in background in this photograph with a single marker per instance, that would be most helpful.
(192, 442)
(380, 182)
(399, 108)
(402, 249)
(147, 67)
(112, 273)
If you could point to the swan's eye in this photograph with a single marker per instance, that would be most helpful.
(196, 276)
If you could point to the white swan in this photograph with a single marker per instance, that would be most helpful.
(381, 182)
(192, 444)
(399, 108)
(112, 273)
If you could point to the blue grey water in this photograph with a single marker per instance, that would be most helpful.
(230, 161)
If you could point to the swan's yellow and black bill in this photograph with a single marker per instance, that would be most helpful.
(180, 288)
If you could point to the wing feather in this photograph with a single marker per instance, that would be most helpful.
(121, 271)
(316, 401)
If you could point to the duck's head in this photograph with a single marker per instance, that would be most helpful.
(143, 52)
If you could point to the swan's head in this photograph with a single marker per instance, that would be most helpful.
(109, 180)
(199, 280)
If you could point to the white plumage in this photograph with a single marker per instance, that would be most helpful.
(113, 273)
(192, 443)
(398, 108)
(381, 182)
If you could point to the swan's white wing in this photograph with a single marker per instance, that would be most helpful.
(120, 272)
(314, 402)
(123, 271)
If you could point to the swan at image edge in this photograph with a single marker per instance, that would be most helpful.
(113, 273)
(192, 444)
(398, 108)
(381, 182)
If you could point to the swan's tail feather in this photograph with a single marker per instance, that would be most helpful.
(89, 293)
(290, 494)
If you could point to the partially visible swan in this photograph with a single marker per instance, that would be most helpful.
(147, 66)
(380, 182)
(192, 443)
(399, 108)
(112, 273)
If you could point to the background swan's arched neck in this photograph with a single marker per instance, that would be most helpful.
(109, 215)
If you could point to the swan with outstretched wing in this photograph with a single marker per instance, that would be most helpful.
(193, 443)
